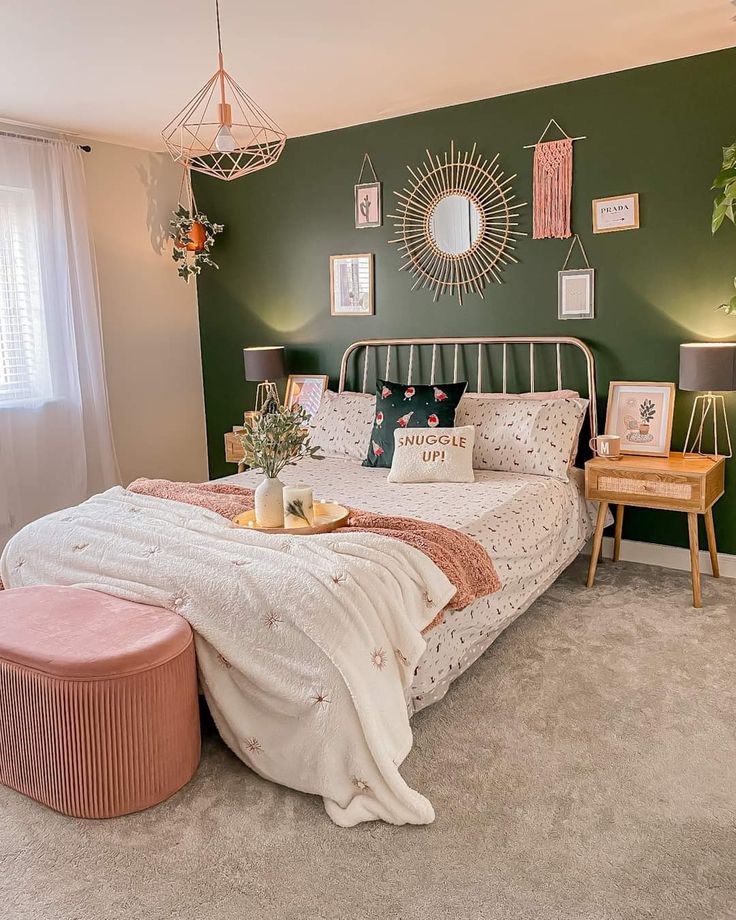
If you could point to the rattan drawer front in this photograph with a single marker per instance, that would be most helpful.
(233, 448)
(661, 488)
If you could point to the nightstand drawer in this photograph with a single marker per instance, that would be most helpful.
(678, 491)
(638, 486)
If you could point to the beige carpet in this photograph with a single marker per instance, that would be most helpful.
(584, 769)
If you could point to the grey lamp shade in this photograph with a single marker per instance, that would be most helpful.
(264, 363)
(708, 367)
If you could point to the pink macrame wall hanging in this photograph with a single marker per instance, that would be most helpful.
(552, 189)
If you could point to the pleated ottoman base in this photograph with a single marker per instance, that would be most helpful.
(99, 713)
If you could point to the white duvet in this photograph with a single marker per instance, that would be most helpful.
(306, 646)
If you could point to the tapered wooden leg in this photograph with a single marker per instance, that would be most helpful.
(712, 547)
(617, 533)
(692, 529)
(597, 542)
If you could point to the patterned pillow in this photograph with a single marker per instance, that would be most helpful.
(516, 435)
(400, 405)
(341, 426)
(433, 455)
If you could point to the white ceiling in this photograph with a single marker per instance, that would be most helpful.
(120, 71)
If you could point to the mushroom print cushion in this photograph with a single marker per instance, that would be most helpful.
(403, 405)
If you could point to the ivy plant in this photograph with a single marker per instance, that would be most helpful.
(191, 262)
(723, 206)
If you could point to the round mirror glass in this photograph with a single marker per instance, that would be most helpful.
(454, 223)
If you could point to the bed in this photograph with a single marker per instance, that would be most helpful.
(295, 635)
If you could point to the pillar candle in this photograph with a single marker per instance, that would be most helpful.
(298, 506)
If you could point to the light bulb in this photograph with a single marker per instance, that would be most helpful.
(224, 141)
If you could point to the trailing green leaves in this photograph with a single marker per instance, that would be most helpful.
(182, 232)
(723, 205)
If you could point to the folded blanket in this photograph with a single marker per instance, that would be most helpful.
(305, 646)
(461, 558)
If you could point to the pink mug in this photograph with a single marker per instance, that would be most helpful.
(607, 446)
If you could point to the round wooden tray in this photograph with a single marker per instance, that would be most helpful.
(327, 516)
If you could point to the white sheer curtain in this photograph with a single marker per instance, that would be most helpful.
(55, 441)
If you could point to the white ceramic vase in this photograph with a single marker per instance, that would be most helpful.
(270, 502)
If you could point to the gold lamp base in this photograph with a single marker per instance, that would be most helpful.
(709, 405)
(265, 393)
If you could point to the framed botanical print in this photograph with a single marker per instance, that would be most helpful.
(619, 212)
(368, 205)
(641, 414)
(305, 390)
(576, 293)
(351, 285)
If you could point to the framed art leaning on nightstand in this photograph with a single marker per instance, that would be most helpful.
(641, 414)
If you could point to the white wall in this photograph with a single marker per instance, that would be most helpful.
(149, 316)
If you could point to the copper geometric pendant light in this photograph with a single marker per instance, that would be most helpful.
(222, 131)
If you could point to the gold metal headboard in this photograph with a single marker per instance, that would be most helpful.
(506, 342)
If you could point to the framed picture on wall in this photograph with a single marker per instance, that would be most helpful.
(351, 285)
(305, 390)
(368, 205)
(576, 293)
(641, 414)
(621, 212)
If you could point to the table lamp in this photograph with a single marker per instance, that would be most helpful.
(264, 364)
(710, 369)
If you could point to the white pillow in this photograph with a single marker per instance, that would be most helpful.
(518, 435)
(342, 425)
(433, 455)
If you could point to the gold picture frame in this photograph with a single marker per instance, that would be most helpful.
(616, 213)
(351, 285)
(632, 408)
(306, 391)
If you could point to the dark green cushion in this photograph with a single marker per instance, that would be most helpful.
(399, 405)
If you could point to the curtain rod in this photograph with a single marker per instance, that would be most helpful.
(44, 140)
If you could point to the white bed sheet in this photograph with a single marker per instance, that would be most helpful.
(533, 527)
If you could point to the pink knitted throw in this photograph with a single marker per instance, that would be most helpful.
(463, 560)
(552, 189)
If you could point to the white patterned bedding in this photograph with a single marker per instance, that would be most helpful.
(532, 527)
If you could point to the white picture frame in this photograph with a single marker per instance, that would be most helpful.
(618, 212)
(351, 285)
(641, 414)
(576, 293)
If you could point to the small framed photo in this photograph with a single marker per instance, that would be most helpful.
(641, 414)
(576, 294)
(351, 285)
(305, 390)
(368, 205)
(621, 212)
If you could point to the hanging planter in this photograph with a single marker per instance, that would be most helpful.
(192, 233)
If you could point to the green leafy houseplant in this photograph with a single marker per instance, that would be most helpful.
(277, 439)
(723, 206)
(193, 234)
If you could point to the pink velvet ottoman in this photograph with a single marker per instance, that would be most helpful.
(99, 711)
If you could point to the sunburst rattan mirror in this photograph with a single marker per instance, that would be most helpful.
(457, 223)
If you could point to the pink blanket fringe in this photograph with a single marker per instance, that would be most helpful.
(463, 560)
(552, 189)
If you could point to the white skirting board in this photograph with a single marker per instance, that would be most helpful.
(669, 557)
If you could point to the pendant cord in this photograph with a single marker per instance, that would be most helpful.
(217, 14)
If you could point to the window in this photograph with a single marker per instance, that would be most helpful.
(24, 354)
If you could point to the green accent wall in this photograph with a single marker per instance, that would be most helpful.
(655, 130)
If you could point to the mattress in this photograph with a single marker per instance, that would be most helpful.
(533, 527)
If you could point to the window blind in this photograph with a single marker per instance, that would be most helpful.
(24, 354)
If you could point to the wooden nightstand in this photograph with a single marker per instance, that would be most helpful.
(692, 485)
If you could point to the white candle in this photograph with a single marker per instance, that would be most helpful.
(299, 499)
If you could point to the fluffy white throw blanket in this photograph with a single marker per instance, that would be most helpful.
(305, 644)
